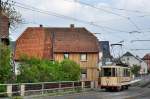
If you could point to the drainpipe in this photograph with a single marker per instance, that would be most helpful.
(52, 40)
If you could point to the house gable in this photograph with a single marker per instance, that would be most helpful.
(43, 42)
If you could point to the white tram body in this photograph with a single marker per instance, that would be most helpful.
(115, 77)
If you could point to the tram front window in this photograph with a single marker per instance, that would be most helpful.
(108, 72)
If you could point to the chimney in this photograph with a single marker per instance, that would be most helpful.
(71, 26)
(41, 25)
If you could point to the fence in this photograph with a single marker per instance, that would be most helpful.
(25, 89)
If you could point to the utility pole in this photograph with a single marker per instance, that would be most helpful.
(0, 6)
(0, 17)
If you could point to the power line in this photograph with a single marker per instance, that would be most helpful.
(140, 41)
(127, 10)
(98, 8)
(58, 15)
(138, 49)
(119, 9)
(31, 8)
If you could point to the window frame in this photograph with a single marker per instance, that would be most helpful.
(66, 53)
(81, 56)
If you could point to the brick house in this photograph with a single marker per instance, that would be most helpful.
(4, 29)
(146, 58)
(74, 43)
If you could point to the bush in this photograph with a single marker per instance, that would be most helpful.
(69, 71)
(41, 70)
(2, 89)
(6, 72)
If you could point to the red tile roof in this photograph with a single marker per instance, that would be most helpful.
(37, 41)
(146, 58)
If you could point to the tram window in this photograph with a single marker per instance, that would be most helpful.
(128, 73)
(124, 72)
(118, 72)
(107, 72)
(113, 72)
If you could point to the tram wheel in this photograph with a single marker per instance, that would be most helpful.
(119, 88)
(126, 87)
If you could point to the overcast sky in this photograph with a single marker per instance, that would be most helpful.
(113, 20)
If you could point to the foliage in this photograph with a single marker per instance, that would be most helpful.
(36, 70)
(42, 70)
(8, 10)
(135, 69)
(5, 67)
(69, 70)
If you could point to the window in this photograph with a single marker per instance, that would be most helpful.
(106, 72)
(109, 72)
(66, 55)
(113, 72)
(83, 57)
(83, 74)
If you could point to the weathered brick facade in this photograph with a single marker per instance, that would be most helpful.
(146, 58)
(43, 42)
(32, 43)
(4, 28)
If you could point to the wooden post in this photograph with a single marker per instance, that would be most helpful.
(59, 90)
(82, 85)
(9, 90)
(96, 84)
(92, 84)
(42, 88)
(73, 87)
(22, 93)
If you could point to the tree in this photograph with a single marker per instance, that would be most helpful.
(69, 70)
(135, 69)
(6, 71)
(8, 10)
(42, 70)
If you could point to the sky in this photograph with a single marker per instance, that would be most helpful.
(115, 20)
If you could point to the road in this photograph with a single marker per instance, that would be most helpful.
(131, 93)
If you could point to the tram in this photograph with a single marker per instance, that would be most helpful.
(115, 77)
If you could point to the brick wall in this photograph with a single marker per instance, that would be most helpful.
(4, 27)
(31, 43)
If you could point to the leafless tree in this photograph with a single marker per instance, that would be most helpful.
(7, 8)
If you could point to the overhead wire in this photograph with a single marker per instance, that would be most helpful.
(31, 8)
(140, 41)
(139, 49)
(101, 9)
(62, 16)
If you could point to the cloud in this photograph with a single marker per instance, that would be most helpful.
(82, 12)
(142, 5)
